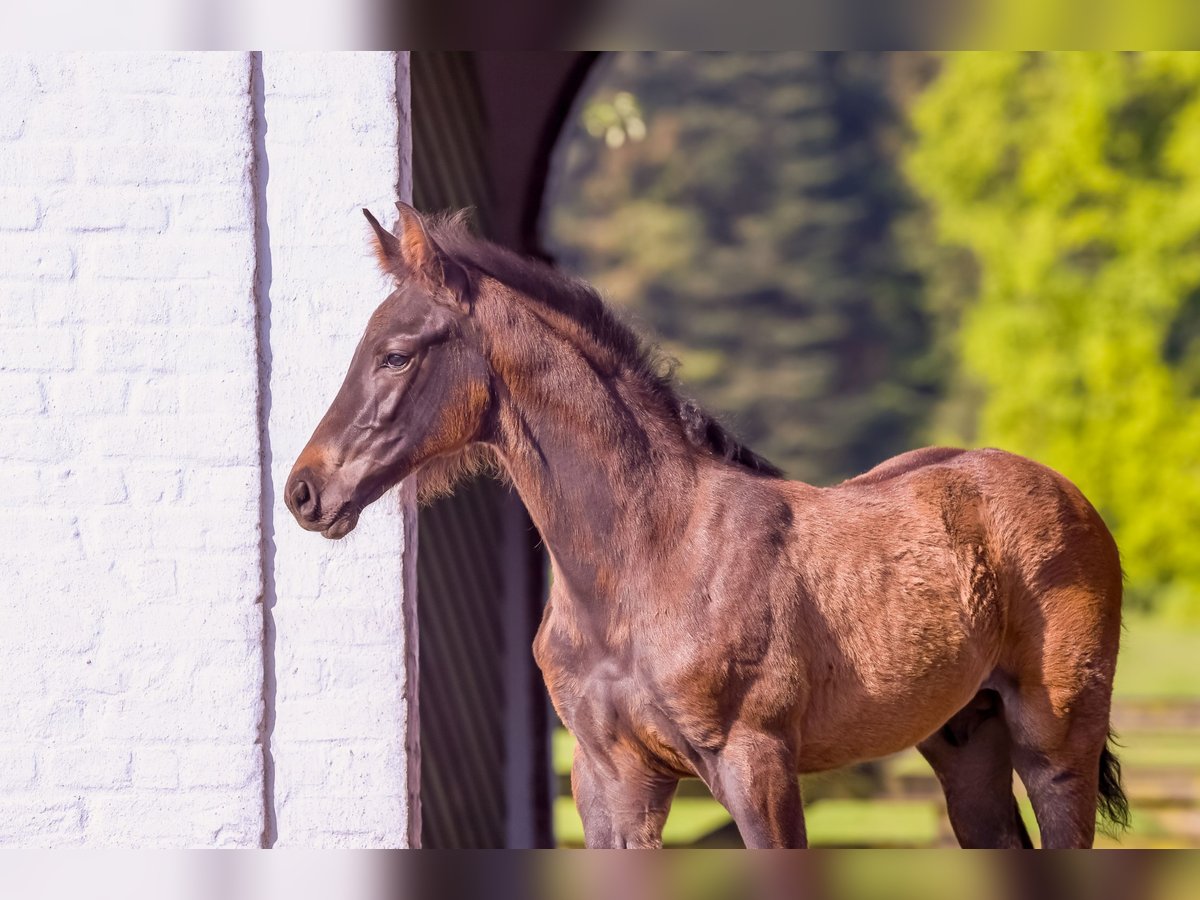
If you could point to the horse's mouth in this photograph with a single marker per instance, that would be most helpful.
(341, 526)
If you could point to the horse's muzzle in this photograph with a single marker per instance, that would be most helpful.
(301, 497)
(304, 498)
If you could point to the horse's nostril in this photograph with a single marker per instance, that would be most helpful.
(302, 500)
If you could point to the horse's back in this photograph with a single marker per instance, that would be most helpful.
(905, 463)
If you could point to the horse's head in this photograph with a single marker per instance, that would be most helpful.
(417, 388)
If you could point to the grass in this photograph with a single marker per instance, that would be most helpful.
(691, 818)
(873, 823)
(1161, 750)
(562, 748)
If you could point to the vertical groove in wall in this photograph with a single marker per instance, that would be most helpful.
(259, 173)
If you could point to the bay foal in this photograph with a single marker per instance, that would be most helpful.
(709, 617)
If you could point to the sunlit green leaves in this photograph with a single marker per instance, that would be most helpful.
(1074, 180)
(616, 118)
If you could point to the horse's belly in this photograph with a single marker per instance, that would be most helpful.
(854, 723)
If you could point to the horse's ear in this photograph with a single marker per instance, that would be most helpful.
(423, 256)
(387, 247)
(417, 247)
(410, 251)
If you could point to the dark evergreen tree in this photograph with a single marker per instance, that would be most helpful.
(743, 207)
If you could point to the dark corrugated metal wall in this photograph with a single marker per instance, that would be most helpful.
(484, 760)
(462, 696)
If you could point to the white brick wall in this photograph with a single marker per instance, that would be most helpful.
(131, 483)
(339, 736)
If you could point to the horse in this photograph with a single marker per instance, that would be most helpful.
(710, 618)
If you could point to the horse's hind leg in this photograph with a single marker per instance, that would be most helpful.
(970, 756)
(1057, 710)
(1057, 747)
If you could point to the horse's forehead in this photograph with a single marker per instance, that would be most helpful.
(400, 311)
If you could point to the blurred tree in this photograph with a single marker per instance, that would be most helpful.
(1074, 180)
(742, 206)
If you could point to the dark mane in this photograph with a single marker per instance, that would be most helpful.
(580, 302)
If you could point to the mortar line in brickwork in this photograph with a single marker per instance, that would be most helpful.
(259, 174)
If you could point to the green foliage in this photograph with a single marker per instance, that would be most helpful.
(1074, 180)
(741, 206)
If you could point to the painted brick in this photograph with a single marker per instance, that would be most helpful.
(107, 766)
(21, 394)
(132, 583)
(154, 257)
(181, 75)
(330, 153)
(52, 301)
(20, 484)
(132, 118)
(35, 164)
(18, 308)
(52, 820)
(24, 257)
(81, 208)
(39, 719)
(22, 209)
(156, 767)
(151, 485)
(343, 822)
(201, 210)
(202, 392)
(182, 163)
(34, 349)
(110, 288)
(128, 350)
(18, 768)
(219, 765)
(155, 394)
(40, 439)
(74, 487)
(54, 73)
(72, 393)
(211, 818)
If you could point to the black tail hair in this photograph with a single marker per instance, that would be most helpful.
(1113, 805)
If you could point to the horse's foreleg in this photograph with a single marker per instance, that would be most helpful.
(621, 806)
(754, 777)
(971, 757)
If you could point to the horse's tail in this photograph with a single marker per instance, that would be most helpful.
(1113, 804)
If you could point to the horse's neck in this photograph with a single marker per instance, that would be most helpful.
(607, 480)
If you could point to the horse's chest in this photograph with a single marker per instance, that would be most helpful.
(604, 703)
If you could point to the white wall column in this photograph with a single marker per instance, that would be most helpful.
(130, 627)
(184, 273)
(336, 140)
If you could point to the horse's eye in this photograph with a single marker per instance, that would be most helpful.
(397, 360)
